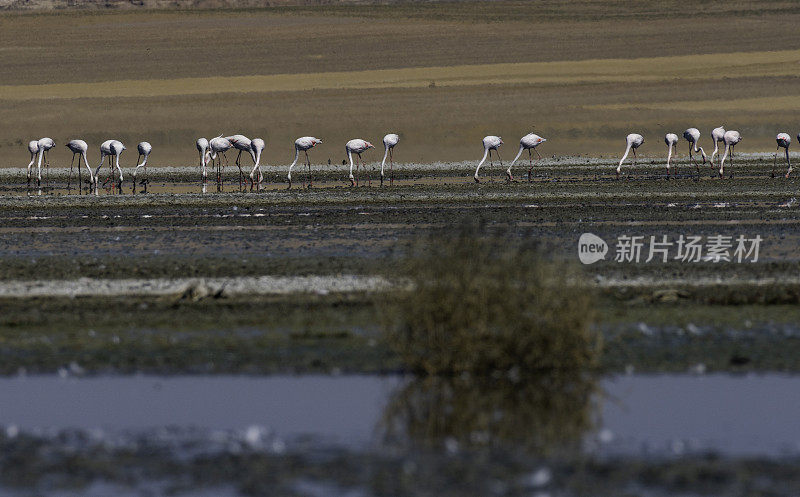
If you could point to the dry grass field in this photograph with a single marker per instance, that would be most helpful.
(583, 74)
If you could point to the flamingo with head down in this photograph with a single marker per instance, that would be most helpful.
(357, 146)
(528, 142)
(632, 141)
(490, 142)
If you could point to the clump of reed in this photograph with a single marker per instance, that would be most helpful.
(478, 302)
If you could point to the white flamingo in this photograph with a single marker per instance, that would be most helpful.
(305, 144)
(731, 138)
(45, 144)
(144, 149)
(490, 142)
(205, 155)
(257, 146)
(33, 148)
(692, 135)
(632, 141)
(671, 139)
(784, 140)
(389, 141)
(219, 146)
(242, 144)
(109, 148)
(357, 146)
(79, 147)
(718, 136)
(528, 142)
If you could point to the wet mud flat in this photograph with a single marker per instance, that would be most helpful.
(187, 242)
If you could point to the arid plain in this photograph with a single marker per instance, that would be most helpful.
(442, 75)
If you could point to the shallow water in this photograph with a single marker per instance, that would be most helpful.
(639, 415)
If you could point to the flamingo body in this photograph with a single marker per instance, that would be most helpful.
(528, 142)
(144, 149)
(671, 139)
(44, 144)
(80, 147)
(692, 135)
(304, 144)
(389, 141)
(731, 139)
(219, 146)
(632, 142)
(33, 148)
(718, 136)
(356, 146)
(490, 142)
(205, 156)
(783, 140)
(109, 148)
(257, 146)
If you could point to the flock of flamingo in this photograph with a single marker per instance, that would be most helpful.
(213, 152)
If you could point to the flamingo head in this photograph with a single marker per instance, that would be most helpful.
(369, 145)
(501, 140)
(317, 141)
(542, 140)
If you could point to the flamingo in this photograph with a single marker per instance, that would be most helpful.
(45, 144)
(242, 144)
(731, 138)
(257, 146)
(490, 143)
(144, 149)
(110, 147)
(784, 140)
(718, 136)
(357, 146)
(528, 142)
(671, 139)
(389, 141)
(305, 144)
(218, 147)
(33, 148)
(692, 135)
(79, 147)
(202, 148)
(633, 141)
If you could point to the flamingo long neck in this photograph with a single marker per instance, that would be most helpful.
(296, 155)
(702, 152)
(787, 158)
(385, 154)
(39, 161)
(85, 161)
(203, 153)
(627, 151)
(724, 156)
(485, 154)
(521, 149)
(716, 149)
(669, 155)
(144, 162)
(102, 158)
(350, 156)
